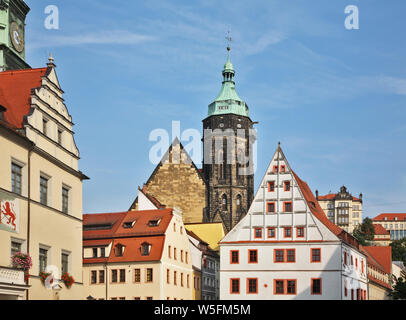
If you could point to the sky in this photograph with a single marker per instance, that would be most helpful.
(334, 98)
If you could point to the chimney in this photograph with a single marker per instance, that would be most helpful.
(317, 195)
(2, 110)
(360, 196)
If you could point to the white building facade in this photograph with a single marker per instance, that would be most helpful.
(285, 247)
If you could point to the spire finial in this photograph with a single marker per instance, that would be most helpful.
(51, 61)
(229, 40)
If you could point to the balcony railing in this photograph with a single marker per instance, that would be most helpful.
(12, 276)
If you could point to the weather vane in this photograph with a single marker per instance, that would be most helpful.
(229, 40)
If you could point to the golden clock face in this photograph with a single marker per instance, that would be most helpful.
(16, 36)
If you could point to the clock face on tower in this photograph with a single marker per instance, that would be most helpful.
(16, 36)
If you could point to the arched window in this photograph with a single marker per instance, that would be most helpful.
(224, 202)
(145, 249)
(238, 201)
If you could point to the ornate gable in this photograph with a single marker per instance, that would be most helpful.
(283, 201)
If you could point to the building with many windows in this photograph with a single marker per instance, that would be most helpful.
(137, 255)
(342, 208)
(286, 248)
(395, 223)
(40, 185)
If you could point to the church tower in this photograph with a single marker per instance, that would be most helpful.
(12, 34)
(228, 140)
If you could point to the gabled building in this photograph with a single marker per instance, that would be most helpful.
(40, 183)
(177, 182)
(379, 261)
(286, 248)
(395, 223)
(137, 255)
(382, 236)
(342, 208)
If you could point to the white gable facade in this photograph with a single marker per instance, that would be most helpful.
(283, 248)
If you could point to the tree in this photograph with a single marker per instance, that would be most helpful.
(399, 250)
(364, 232)
(399, 290)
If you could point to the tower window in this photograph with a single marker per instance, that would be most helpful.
(224, 202)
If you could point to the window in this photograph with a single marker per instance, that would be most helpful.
(44, 126)
(153, 223)
(279, 287)
(94, 252)
(283, 169)
(118, 250)
(137, 275)
(43, 190)
(290, 255)
(64, 262)
(271, 207)
(122, 275)
(275, 169)
(287, 232)
(149, 298)
(271, 232)
(315, 253)
(169, 252)
(271, 186)
(103, 252)
(188, 281)
(149, 275)
(290, 286)
(316, 286)
(174, 253)
(65, 200)
(252, 285)
(224, 202)
(300, 232)
(258, 233)
(114, 276)
(60, 136)
(181, 255)
(93, 279)
(145, 249)
(101, 276)
(234, 257)
(168, 276)
(16, 175)
(279, 255)
(43, 259)
(286, 185)
(252, 256)
(234, 286)
(175, 280)
(186, 257)
(15, 247)
(287, 207)
(345, 258)
(181, 279)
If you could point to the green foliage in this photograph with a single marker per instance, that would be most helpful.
(364, 232)
(399, 250)
(399, 291)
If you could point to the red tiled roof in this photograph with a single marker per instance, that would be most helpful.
(131, 238)
(383, 255)
(315, 206)
(379, 230)
(390, 217)
(15, 93)
(331, 196)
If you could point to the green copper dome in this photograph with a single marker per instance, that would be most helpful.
(228, 100)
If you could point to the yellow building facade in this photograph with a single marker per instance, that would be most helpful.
(40, 185)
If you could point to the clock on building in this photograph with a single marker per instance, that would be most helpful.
(17, 38)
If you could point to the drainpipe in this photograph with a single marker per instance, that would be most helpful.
(29, 209)
(107, 280)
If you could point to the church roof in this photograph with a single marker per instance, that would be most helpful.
(15, 93)
(228, 101)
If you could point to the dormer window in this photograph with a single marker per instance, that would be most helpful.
(385, 218)
(145, 249)
(396, 218)
(153, 223)
(128, 224)
(119, 250)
